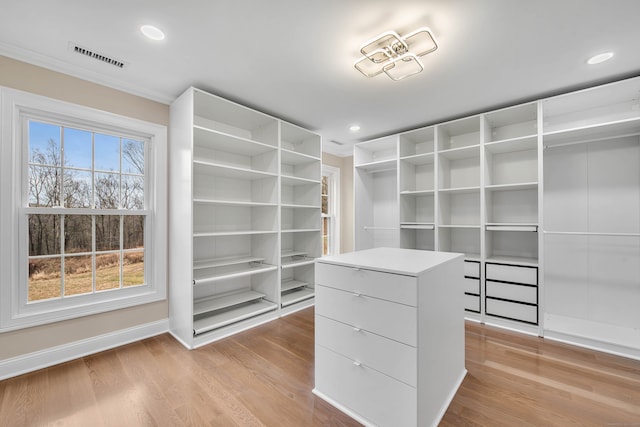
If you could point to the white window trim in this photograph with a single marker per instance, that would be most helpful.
(14, 314)
(334, 206)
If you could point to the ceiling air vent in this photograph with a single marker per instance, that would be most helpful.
(336, 142)
(96, 55)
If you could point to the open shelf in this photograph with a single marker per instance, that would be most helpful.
(225, 261)
(419, 159)
(231, 233)
(417, 192)
(521, 143)
(512, 124)
(459, 134)
(417, 226)
(378, 166)
(297, 261)
(291, 284)
(209, 138)
(205, 276)
(417, 142)
(301, 294)
(526, 261)
(220, 319)
(299, 140)
(221, 302)
(595, 132)
(294, 180)
(204, 201)
(206, 167)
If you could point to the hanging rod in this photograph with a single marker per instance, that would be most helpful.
(591, 233)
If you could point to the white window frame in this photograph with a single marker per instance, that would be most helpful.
(15, 311)
(334, 208)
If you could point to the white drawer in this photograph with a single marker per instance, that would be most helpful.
(472, 285)
(512, 310)
(512, 273)
(511, 292)
(389, 319)
(387, 356)
(472, 302)
(472, 269)
(388, 286)
(385, 401)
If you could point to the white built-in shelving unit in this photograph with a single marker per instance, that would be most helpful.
(376, 193)
(543, 199)
(591, 142)
(244, 189)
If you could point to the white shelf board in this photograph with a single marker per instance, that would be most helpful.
(417, 192)
(230, 233)
(235, 273)
(594, 132)
(291, 157)
(225, 261)
(460, 190)
(294, 180)
(511, 227)
(230, 143)
(471, 256)
(291, 284)
(298, 262)
(218, 320)
(296, 296)
(221, 302)
(522, 143)
(378, 165)
(301, 230)
(237, 203)
(530, 262)
(516, 186)
(419, 159)
(461, 153)
(470, 226)
(289, 254)
(417, 226)
(300, 206)
(211, 168)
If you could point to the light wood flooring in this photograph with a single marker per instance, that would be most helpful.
(264, 376)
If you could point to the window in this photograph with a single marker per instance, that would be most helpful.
(88, 215)
(330, 208)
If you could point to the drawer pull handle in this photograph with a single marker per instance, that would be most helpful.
(357, 294)
(357, 329)
(356, 363)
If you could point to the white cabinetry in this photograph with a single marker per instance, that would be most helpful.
(480, 185)
(389, 335)
(469, 186)
(229, 210)
(376, 193)
(592, 217)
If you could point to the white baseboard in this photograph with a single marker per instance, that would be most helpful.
(52, 356)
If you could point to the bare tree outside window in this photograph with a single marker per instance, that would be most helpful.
(77, 253)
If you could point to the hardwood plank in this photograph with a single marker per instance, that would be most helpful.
(264, 377)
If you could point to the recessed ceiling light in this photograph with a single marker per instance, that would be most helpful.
(152, 32)
(601, 57)
(354, 128)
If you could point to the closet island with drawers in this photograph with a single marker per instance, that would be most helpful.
(389, 334)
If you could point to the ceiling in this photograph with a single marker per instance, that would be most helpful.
(294, 58)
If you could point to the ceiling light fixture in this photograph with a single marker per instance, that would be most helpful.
(601, 57)
(354, 128)
(154, 33)
(395, 55)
